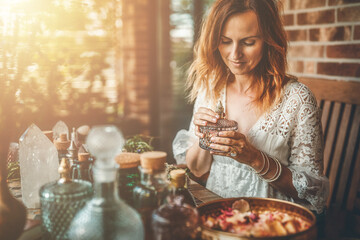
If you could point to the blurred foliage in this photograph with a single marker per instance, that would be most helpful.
(13, 171)
(139, 144)
(53, 60)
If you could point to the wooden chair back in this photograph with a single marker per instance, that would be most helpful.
(340, 105)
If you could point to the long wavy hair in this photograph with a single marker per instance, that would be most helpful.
(208, 71)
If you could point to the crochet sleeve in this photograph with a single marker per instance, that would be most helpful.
(306, 155)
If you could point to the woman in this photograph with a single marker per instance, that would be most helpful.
(240, 59)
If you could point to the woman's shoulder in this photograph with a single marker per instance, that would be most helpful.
(297, 91)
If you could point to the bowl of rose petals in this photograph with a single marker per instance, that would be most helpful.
(256, 218)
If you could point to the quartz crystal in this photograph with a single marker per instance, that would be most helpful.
(60, 127)
(39, 164)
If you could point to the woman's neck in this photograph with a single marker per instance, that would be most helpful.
(242, 83)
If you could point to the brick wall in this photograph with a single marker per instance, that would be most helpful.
(324, 38)
(137, 45)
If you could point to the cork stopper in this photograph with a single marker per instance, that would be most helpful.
(178, 177)
(62, 143)
(128, 160)
(64, 171)
(154, 160)
(83, 157)
(48, 134)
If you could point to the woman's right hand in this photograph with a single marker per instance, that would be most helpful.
(202, 117)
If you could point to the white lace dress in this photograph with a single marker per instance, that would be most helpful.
(291, 132)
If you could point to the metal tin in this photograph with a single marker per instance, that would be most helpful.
(259, 204)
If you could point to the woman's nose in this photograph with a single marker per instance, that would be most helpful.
(236, 52)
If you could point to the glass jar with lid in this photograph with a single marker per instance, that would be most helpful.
(60, 201)
(128, 175)
(178, 186)
(82, 167)
(212, 129)
(152, 190)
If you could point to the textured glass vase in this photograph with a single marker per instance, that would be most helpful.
(106, 216)
(60, 201)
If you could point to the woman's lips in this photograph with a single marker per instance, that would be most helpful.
(237, 63)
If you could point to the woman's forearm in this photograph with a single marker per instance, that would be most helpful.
(198, 160)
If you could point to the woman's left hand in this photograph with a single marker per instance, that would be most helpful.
(235, 145)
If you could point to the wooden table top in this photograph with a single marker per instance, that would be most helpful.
(200, 193)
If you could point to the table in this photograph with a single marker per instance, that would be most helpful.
(200, 193)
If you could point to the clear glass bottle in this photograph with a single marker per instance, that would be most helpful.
(212, 129)
(175, 220)
(60, 201)
(82, 167)
(62, 144)
(178, 186)
(106, 216)
(153, 187)
(128, 176)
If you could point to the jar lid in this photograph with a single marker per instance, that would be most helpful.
(83, 157)
(75, 190)
(177, 177)
(177, 174)
(128, 160)
(62, 143)
(222, 124)
(154, 160)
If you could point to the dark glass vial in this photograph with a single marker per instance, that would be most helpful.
(152, 190)
(128, 175)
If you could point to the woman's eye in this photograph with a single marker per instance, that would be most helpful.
(249, 43)
(225, 41)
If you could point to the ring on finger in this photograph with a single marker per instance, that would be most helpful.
(233, 152)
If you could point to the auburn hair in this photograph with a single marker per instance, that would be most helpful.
(208, 71)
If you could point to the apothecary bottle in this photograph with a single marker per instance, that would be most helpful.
(212, 129)
(60, 201)
(178, 186)
(153, 187)
(175, 220)
(106, 216)
(82, 167)
(128, 175)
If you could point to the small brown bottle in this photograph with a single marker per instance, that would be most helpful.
(178, 186)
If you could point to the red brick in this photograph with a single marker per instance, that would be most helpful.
(331, 34)
(343, 51)
(306, 51)
(340, 2)
(296, 66)
(288, 19)
(339, 69)
(296, 4)
(317, 17)
(348, 14)
(296, 35)
(309, 67)
(357, 32)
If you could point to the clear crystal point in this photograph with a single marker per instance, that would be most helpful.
(60, 127)
(39, 164)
